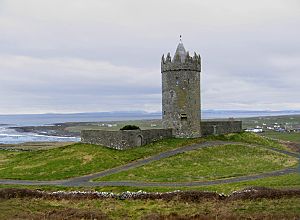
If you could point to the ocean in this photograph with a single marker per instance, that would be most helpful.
(10, 136)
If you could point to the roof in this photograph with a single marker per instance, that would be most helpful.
(180, 51)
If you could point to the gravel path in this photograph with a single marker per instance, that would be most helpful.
(86, 180)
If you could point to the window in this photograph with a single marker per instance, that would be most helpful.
(183, 116)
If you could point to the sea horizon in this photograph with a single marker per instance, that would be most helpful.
(54, 118)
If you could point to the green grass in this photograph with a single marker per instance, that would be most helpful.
(288, 208)
(250, 138)
(287, 181)
(80, 159)
(285, 136)
(31, 146)
(76, 159)
(208, 164)
(6, 156)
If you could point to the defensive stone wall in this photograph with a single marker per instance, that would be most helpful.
(124, 139)
(220, 127)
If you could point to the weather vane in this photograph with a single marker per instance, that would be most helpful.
(180, 38)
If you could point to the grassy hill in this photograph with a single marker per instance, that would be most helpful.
(76, 159)
(80, 159)
(203, 164)
(284, 136)
(208, 164)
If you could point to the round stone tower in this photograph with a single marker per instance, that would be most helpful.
(181, 93)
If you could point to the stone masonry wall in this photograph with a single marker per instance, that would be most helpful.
(220, 127)
(122, 140)
(151, 135)
(181, 102)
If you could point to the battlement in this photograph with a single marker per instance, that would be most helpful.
(180, 62)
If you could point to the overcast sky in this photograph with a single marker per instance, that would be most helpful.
(104, 55)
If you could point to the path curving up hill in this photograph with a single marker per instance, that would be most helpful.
(86, 180)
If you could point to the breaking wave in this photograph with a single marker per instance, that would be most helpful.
(11, 136)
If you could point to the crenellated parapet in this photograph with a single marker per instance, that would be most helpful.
(178, 62)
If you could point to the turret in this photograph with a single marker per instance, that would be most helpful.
(181, 60)
(181, 92)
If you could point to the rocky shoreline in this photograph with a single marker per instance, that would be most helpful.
(58, 129)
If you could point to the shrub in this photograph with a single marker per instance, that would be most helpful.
(130, 127)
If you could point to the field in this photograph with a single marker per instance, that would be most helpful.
(242, 155)
(284, 208)
(208, 164)
(80, 159)
(284, 136)
(32, 146)
(285, 121)
(116, 125)
(289, 120)
(75, 159)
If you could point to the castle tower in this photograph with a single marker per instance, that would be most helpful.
(181, 93)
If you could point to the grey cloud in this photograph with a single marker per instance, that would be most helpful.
(79, 55)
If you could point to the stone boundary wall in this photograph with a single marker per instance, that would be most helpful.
(125, 139)
(220, 127)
